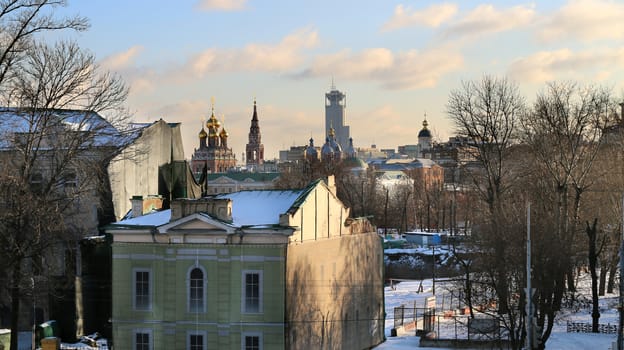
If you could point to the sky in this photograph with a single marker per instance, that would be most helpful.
(396, 61)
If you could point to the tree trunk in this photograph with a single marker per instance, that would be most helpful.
(604, 270)
(611, 280)
(15, 304)
(593, 258)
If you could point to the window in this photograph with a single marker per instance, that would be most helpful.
(70, 180)
(252, 341)
(196, 290)
(36, 181)
(142, 340)
(252, 291)
(142, 289)
(196, 341)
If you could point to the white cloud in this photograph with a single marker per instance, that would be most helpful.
(586, 20)
(431, 16)
(123, 59)
(281, 57)
(221, 5)
(549, 65)
(486, 19)
(403, 70)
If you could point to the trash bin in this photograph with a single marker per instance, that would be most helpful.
(50, 343)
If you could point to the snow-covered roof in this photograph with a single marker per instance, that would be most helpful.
(19, 120)
(155, 219)
(249, 208)
(263, 207)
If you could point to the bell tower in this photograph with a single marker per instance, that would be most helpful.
(255, 148)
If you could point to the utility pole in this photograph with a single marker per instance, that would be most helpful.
(434, 268)
(620, 340)
(529, 291)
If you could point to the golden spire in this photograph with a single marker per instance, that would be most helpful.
(425, 123)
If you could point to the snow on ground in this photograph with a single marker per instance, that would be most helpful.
(406, 293)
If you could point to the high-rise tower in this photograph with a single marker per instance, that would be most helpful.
(255, 148)
(335, 105)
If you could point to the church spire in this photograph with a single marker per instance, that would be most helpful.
(254, 148)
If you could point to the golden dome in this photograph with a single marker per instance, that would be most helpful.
(213, 122)
(332, 132)
(203, 134)
(223, 133)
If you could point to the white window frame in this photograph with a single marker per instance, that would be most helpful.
(150, 335)
(204, 335)
(252, 334)
(188, 288)
(244, 291)
(150, 285)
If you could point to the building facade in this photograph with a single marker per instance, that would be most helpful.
(294, 272)
(213, 153)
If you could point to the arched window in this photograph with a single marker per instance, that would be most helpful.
(196, 290)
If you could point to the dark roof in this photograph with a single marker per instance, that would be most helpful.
(241, 176)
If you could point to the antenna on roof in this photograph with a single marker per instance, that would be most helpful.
(333, 86)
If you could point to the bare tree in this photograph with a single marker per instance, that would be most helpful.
(20, 22)
(563, 131)
(55, 150)
(488, 112)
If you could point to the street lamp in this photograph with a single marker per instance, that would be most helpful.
(434, 267)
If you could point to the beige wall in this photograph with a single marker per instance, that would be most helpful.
(321, 215)
(334, 293)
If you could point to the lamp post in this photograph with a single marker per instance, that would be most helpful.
(34, 315)
(434, 267)
(620, 339)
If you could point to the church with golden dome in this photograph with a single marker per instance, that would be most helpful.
(213, 152)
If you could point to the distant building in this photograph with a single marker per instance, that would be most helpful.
(219, 183)
(213, 153)
(254, 148)
(279, 269)
(335, 105)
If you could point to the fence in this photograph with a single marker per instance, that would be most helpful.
(580, 327)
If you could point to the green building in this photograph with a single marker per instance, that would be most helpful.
(266, 269)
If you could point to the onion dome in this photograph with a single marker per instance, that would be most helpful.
(310, 152)
(327, 149)
(424, 132)
(351, 153)
(223, 133)
(332, 141)
(213, 122)
(202, 133)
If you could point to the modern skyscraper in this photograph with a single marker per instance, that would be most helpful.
(255, 148)
(335, 105)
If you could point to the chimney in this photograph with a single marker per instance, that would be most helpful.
(331, 184)
(137, 206)
(142, 205)
(219, 208)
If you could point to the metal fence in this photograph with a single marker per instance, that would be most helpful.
(581, 327)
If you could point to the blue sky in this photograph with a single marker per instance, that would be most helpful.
(395, 60)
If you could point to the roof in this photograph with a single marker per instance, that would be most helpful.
(243, 176)
(249, 208)
(262, 207)
(22, 120)
(156, 218)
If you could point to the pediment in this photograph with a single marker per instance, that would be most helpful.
(223, 180)
(197, 223)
